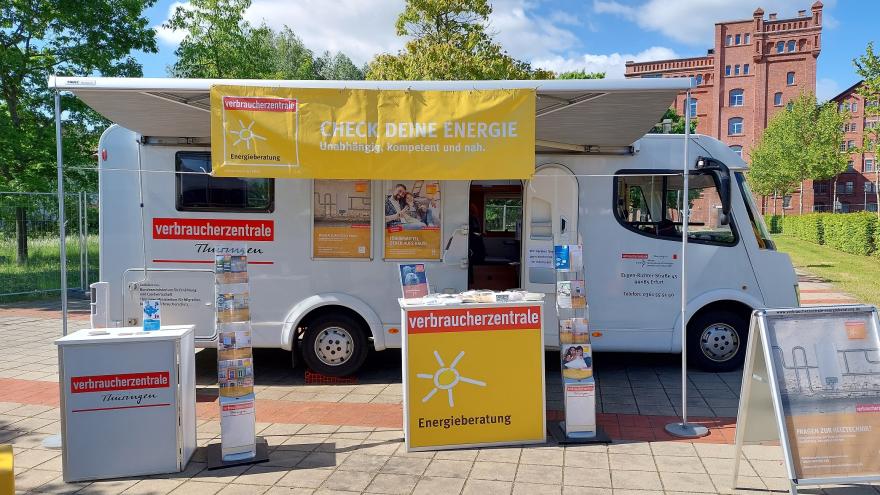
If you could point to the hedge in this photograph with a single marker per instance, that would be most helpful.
(854, 233)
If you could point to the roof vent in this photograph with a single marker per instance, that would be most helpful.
(773, 16)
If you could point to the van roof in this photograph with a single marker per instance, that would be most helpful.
(571, 115)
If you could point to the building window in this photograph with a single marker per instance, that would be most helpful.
(698, 79)
(736, 98)
(726, 70)
(850, 145)
(844, 207)
(692, 104)
(820, 187)
(789, 79)
(747, 38)
(738, 39)
(777, 99)
(736, 70)
(735, 126)
(843, 146)
(746, 69)
(869, 187)
(729, 40)
(854, 127)
(786, 201)
(848, 187)
(737, 149)
(780, 47)
(869, 165)
(854, 106)
(791, 46)
(872, 206)
(850, 166)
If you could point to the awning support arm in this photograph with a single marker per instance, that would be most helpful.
(569, 103)
(176, 101)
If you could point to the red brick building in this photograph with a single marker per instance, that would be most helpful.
(856, 186)
(756, 66)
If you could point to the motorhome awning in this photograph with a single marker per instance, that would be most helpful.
(571, 115)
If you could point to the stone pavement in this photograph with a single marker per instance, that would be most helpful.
(346, 438)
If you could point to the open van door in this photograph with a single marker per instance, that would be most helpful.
(551, 217)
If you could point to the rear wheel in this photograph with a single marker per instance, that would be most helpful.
(717, 340)
(335, 345)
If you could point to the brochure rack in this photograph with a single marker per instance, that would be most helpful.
(235, 364)
(576, 355)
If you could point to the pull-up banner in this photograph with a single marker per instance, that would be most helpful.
(372, 134)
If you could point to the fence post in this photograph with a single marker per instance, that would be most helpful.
(21, 233)
(86, 238)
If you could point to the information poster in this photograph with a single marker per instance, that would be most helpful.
(235, 364)
(473, 376)
(412, 220)
(571, 294)
(413, 280)
(827, 369)
(342, 215)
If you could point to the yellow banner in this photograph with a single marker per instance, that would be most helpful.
(372, 134)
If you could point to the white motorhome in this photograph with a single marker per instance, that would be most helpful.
(599, 180)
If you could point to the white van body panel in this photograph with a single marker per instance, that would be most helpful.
(286, 283)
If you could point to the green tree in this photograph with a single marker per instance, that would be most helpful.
(868, 67)
(804, 142)
(39, 38)
(448, 41)
(766, 176)
(339, 66)
(219, 43)
(580, 74)
(675, 122)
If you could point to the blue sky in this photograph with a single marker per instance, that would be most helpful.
(597, 35)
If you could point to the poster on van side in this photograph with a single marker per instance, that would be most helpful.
(412, 220)
(341, 213)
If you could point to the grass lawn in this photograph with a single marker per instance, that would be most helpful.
(42, 272)
(858, 275)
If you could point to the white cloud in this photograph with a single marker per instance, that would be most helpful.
(168, 36)
(526, 34)
(613, 64)
(693, 21)
(357, 28)
(826, 89)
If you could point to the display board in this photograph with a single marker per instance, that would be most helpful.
(316, 133)
(818, 371)
(235, 364)
(473, 375)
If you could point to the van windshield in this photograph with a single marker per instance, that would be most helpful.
(757, 221)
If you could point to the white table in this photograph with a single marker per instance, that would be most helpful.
(127, 401)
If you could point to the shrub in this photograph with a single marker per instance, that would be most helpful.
(852, 233)
(774, 223)
(805, 227)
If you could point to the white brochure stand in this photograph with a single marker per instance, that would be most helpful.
(128, 401)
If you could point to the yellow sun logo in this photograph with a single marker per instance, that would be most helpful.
(446, 378)
(246, 134)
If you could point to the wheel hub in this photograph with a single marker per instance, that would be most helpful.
(334, 346)
(719, 342)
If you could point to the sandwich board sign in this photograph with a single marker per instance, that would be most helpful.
(816, 371)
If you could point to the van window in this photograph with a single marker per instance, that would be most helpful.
(652, 205)
(199, 192)
(501, 214)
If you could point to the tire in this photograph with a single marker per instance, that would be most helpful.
(335, 345)
(717, 340)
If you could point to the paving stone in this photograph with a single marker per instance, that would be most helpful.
(347, 480)
(439, 486)
(305, 478)
(193, 487)
(725, 466)
(536, 489)
(629, 448)
(153, 487)
(673, 449)
(715, 450)
(769, 469)
(579, 476)
(107, 487)
(288, 490)
(32, 478)
(547, 456)
(457, 455)
(261, 475)
(238, 489)
(502, 454)
(763, 452)
(687, 482)
(635, 480)
(396, 484)
(634, 462)
(673, 464)
(486, 487)
(496, 471)
(444, 468)
(364, 463)
(534, 473)
(596, 460)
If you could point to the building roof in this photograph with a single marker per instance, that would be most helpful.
(843, 94)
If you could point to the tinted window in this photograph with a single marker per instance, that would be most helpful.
(652, 205)
(198, 191)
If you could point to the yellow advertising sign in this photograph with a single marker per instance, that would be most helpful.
(372, 134)
(473, 376)
(341, 215)
(412, 220)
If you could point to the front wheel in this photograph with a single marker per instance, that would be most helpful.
(717, 340)
(334, 345)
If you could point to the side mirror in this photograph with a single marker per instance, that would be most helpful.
(721, 174)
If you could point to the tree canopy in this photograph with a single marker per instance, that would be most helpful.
(448, 40)
(868, 67)
(39, 38)
(801, 142)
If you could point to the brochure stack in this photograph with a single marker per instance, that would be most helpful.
(579, 386)
(235, 364)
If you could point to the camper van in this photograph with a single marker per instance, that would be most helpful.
(602, 183)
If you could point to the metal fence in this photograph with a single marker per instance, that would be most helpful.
(29, 243)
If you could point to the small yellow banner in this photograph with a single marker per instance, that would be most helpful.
(372, 134)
